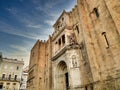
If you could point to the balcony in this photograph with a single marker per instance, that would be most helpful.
(12, 79)
(62, 50)
(58, 31)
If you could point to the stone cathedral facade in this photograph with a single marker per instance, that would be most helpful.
(83, 53)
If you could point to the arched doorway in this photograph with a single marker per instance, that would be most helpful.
(62, 76)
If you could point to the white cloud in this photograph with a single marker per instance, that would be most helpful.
(49, 22)
(34, 26)
(19, 48)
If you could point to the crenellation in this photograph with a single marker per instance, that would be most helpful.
(83, 52)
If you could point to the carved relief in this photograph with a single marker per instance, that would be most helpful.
(74, 61)
(72, 39)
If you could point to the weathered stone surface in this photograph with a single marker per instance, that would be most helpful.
(84, 50)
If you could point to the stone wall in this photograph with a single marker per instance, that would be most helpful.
(96, 26)
(101, 38)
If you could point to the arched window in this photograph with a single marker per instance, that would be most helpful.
(3, 76)
(105, 36)
(9, 77)
(15, 77)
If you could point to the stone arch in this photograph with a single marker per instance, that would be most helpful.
(62, 67)
(62, 76)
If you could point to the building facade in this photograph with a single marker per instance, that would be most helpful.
(83, 52)
(10, 74)
(65, 59)
(24, 77)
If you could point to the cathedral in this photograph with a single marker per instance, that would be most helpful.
(83, 53)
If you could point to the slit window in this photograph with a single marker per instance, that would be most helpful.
(63, 39)
(106, 40)
(77, 28)
(96, 12)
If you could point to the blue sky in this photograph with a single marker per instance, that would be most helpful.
(22, 22)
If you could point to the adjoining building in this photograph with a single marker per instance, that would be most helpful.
(40, 72)
(10, 74)
(24, 77)
(83, 53)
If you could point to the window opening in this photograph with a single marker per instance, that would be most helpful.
(105, 36)
(63, 39)
(3, 76)
(15, 77)
(1, 86)
(62, 18)
(9, 77)
(8, 83)
(14, 83)
(17, 67)
(77, 28)
(56, 43)
(96, 12)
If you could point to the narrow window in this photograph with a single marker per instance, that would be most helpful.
(15, 77)
(96, 12)
(107, 43)
(67, 81)
(3, 76)
(9, 78)
(59, 41)
(77, 28)
(17, 67)
(63, 39)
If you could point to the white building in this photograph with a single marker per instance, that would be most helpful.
(10, 73)
(24, 79)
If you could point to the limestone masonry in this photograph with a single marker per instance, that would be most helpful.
(83, 53)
